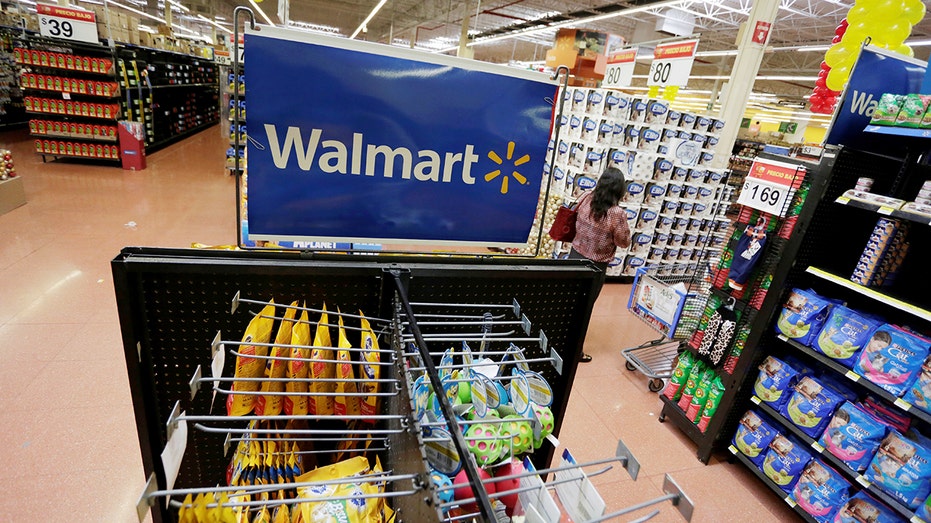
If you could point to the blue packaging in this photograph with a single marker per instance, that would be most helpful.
(820, 491)
(902, 468)
(862, 507)
(775, 378)
(803, 315)
(753, 437)
(844, 333)
(810, 406)
(892, 358)
(784, 461)
(919, 393)
(924, 511)
(853, 436)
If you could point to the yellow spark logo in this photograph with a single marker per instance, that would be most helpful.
(521, 179)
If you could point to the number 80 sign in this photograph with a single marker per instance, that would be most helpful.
(67, 23)
(672, 63)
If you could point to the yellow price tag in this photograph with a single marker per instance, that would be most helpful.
(843, 200)
(852, 376)
(885, 210)
(902, 404)
(754, 399)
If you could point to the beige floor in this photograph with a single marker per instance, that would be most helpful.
(70, 447)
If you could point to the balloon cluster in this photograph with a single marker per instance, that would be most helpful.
(886, 23)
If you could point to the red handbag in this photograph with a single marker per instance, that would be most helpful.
(563, 228)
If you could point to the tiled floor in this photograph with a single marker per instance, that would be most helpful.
(71, 451)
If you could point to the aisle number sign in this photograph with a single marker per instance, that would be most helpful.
(620, 69)
(672, 63)
(770, 185)
(67, 23)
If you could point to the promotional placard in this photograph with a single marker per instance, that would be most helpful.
(364, 142)
(620, 69)
(67, 23)
(672, 63)
(770, 184)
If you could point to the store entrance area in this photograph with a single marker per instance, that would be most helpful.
(72, 452)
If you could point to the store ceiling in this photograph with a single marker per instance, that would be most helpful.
(436, 24)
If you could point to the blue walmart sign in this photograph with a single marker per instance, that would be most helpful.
(358, 141)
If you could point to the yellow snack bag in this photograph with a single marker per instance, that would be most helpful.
(300, 335)
(258, 331)
(282, 514)
(200, 508)
(271, 405)
(186, 512)
(322, 405)
(263, 516)
(369, 369)
(349, 404)
(354, 510)
(297, 514)
(225, 514)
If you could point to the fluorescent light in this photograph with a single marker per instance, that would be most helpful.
(259, 9)
(813, 48)
(138, 12)
(146, 29)
(732, 52)
(789, 78)
(211, 22)
(368, 18)
(218, 17)
(179, 6)
(95, 2)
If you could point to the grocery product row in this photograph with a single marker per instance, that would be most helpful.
(77, 149)
(68, 85)
(71, 108)
(52, 128)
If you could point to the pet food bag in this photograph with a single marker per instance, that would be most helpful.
(803, 315)
(844, 333)
(711, 404)
(679, 376)
(774, 379)
(810, 406)
(902, 468)
(820, 490)
(892, 358)
(853, 436)
(785, 458)
(924, 511)
(753, 437)
(862, 507)
(888, 109)
(892, 417)
(919, 393)
(700, 374)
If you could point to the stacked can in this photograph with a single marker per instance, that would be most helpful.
(883, 254)
(924, 195)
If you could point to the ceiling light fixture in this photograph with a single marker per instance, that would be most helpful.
(707, 54)
(179, 6)
(138, 12)
(368, 18)
(211, 22)
(259, 9)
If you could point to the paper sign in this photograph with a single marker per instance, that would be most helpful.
(620, 68)
(67, 23)
(672, 63)
(770, 185)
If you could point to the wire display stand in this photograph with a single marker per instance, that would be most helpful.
(670, 300)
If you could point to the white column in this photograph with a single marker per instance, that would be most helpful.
(464, 50)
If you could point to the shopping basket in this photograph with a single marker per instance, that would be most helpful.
(670, 299)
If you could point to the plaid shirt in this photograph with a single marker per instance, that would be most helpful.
(598, 240)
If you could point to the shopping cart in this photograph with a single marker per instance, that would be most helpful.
(670, 299)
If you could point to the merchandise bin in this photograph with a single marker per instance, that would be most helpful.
(172, 303)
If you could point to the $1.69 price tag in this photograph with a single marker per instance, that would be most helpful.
(770, 185)
(672, 63)
(67, 23)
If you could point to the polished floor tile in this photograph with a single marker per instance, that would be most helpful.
(71, 448)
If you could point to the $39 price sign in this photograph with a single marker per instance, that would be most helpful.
(672, 63)
(770, 185)
(67, 23)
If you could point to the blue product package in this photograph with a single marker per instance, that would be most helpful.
(820, 491)
(862, 507)
(810, 406)
(902, 468)
(924, 511)
(829, 379)
(753, 437)
(774, 379)
(844, 333)
(892, 358)
(919, 393)
(853, 436)
(803, 315)
(784, 461)
(800, 365)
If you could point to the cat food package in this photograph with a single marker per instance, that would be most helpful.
(853, 436)
(810, 406)
(902, 468)
(919, 393)
(277, 367)
(803, 315)
(892, 417)
(784, 461)
(844, 333)
(924, 511)
(258, 331)
(892, 358)
(774, 379)
(753, 437)
(820, 491)
(861, 507)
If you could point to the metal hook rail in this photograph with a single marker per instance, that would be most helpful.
(237, 299)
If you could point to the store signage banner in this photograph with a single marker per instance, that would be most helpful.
(365, 142)
(877, 72)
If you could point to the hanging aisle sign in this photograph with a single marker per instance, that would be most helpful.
(67, 23)
(770, 185)
(672, 63)
(620, 69)
(357, 141)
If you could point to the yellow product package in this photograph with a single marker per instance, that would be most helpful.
(296, 405)
(370, 370)
(356, 509)
(282, 514)
(258, 331)
(270, 405)
(263, 516)
(322, 405)
(186, 512)
(348, 404)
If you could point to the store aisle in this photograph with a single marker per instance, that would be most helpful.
(65, 410)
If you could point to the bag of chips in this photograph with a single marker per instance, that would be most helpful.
(679, 376)
(297, 404)
(322, 367)
(696, 376)
(712, 403)
(347, 405)
(270, 405)
(258, 331)
(369, 368)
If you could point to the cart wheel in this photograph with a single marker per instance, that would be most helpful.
(630, 366)
(655, 385)
(662, 418)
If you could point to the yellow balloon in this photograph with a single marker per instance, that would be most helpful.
(837, 78)
(838, 55)
(894, 34)
(856, 34)
(857, 14)
(906, 50)
(914, 11)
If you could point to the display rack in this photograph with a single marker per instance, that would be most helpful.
(12, 110)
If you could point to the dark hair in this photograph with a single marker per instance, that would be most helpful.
(608, 192)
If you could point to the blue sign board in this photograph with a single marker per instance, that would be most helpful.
(365, 142)
(877, 71)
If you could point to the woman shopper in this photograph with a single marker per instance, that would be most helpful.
(601, 225)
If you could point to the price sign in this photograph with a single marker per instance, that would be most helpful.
(620, 69)
(770, 185)
(67, 23)
(672, 63)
